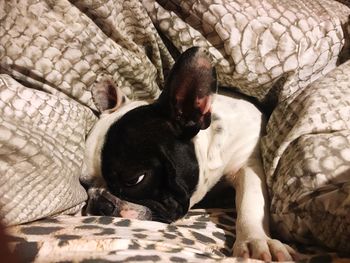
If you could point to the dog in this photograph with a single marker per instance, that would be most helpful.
(156, 160)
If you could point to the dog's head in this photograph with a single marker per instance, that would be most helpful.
(144, 151)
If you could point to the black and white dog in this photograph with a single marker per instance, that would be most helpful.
(158, 160)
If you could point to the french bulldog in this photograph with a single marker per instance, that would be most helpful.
(166, 155)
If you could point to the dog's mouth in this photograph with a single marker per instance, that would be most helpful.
(166, 213)
(102, 202)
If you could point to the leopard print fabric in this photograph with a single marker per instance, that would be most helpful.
(201, 236)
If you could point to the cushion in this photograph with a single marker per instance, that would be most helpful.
(42, 140)
(307, 159)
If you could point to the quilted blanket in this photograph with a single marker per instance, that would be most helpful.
(292, 56)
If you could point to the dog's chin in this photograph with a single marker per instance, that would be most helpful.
(166, 214)
(162, 219)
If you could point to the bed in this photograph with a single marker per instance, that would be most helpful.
(290, 56)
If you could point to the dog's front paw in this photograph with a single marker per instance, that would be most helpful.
(264, 249)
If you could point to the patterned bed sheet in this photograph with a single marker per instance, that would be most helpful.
(202, 236)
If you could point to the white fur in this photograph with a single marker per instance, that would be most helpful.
(227, 144)
(230, 147)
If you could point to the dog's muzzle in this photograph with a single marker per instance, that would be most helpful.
(102, 202)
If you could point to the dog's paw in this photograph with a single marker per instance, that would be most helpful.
(264, 249)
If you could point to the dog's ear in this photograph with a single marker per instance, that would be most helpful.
(107, 96)
(187, 95)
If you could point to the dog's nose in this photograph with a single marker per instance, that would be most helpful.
(105, 208)
(131, 210)
(102, 202)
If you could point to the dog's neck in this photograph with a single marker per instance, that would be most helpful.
(223, 146)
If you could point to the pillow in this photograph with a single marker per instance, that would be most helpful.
(42, 141)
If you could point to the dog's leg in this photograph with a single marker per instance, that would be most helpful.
(252, 226)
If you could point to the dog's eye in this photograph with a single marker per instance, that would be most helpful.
(134, 181)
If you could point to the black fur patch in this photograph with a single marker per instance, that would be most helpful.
(168, 163)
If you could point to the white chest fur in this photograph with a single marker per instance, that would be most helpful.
(226, 145)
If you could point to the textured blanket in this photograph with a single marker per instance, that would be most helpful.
(202, 236)
(290, 55)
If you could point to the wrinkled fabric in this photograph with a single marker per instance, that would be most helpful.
(307, 158)
(285, 54)
(201, 236)
(263, 48)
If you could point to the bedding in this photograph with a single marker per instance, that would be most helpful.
(309, 169)
(201, 236)
(42, 147)
(291, 56)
